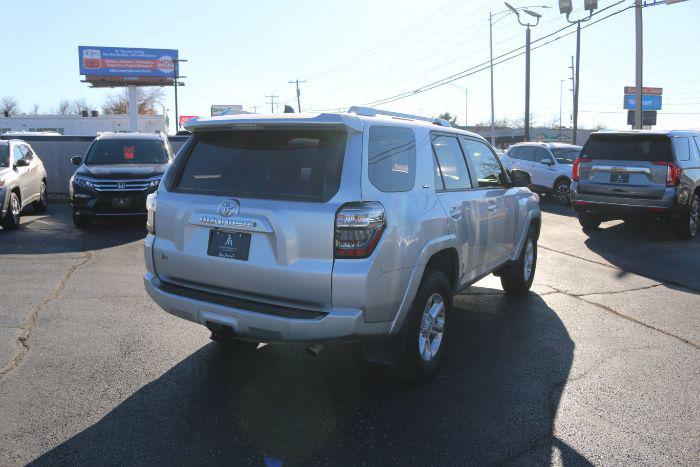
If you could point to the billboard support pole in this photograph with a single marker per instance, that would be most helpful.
(638, 65)
(177, 118)
(133, 109)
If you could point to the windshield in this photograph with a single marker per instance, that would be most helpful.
(4, 155)
(302, 164)
(127, 151)
(646, 148)
(566, 155)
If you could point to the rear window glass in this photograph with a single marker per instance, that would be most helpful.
(682, 148)
(281, 164)
(392, 158)
(628, 148)
(127, 151)
(4, 155)
(450, 163)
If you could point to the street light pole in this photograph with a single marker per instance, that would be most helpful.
(537, 16)
(493, 118)
(566, 7)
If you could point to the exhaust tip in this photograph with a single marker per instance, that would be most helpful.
(314, 349)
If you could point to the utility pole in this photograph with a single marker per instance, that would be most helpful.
(175, 83)
(639, 58)
(493, 118)
(272, 102)
(296, 81)
(561, 94)
(573, 94)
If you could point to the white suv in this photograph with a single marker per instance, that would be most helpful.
(351, 227)
(550, 166)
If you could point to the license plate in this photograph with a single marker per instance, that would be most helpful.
(619, 177)
(228, 244)
(121, 202)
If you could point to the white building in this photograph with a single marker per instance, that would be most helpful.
(76, 125)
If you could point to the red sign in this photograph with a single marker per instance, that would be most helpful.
(645, 90)
(128, 152)
(186, 118)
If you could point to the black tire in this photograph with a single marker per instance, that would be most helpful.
(42, 204)
(14, 209)
(589, 221)
(562, 192)
(517, 278)
(686, 227)
(80, 221)
(416, 364)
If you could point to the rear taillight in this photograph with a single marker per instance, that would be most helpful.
(673, 173)
(151, 213)
(577, 162)
(358, 228)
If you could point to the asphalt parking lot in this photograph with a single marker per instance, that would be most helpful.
(599, 364)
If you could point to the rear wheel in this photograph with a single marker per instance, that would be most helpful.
(517, 278)
(14, 208)
(42, 203)
(687, 225)
(562, 192)
(426, 329)
(80, 221)
(589, 221)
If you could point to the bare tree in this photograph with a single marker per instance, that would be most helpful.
(78, 106)
(9, 106)
(447, 116)
(63, 107)
(148, 99)
(35, 109)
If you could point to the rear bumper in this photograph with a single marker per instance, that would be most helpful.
(337, 324)
(605, 204)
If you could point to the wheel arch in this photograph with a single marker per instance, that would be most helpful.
(446, 261)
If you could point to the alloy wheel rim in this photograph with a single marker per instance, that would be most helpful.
(563, 193)
(694, 215)
(529, 259)
(432, 327)
(14, 206)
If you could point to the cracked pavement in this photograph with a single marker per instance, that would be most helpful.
(598, 365)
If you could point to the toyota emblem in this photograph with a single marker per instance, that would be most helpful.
(229, 208)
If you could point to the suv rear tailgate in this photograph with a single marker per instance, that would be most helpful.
(625, 165)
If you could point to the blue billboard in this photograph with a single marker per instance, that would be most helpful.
(122, 61)
(649, 102)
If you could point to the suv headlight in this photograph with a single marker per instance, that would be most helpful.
(83, 182)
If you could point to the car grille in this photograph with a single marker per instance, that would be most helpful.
(121, 185)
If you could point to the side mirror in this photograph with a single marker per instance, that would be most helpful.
(520, 178)
(76, 160)
(22, 163)
(546, 161)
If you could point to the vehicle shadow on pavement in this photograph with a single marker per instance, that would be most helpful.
(494, 401)
(649, 249)
(53, 232)
(550, 205)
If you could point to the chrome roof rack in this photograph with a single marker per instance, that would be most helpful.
(371, 112)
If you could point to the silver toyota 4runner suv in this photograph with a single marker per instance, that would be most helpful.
(356, 227)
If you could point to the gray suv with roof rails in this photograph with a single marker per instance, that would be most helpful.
(623, 174)
(356, 227)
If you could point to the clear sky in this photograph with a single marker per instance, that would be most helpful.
(358, 52)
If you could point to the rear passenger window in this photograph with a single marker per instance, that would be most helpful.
(488, 169)
(392, 158)
(450, 163)
(527, 153)
(697, 144)
(680, 145)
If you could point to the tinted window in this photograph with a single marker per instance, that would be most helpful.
(541, 153)
(126, 151)
(17, 153)
(488, 169)
(566, 155)
(628, 148)
(526, 153)
(682, 148)
(450, 161)
(4, 155)
(392, 158)
(281, 164)
(514, 153)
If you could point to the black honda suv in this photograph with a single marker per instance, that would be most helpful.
(118, 172)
